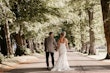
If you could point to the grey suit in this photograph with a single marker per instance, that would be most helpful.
(50, 45)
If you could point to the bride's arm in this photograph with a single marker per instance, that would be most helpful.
(67, 43)
(58, 44)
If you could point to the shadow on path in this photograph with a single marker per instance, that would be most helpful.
(77, 68)
(27, 70)
(92, 67)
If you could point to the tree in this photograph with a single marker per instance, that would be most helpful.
(82, 30)
(90, 11)
(106, 18)
(92, 37)
(6, 18)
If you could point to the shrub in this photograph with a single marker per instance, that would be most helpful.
(27, 51)
(1, 58)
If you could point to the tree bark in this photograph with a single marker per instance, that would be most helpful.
(8, 41)
(87, 45)
(81, 33)
(106, 18)
(91, 33)
(7, 33)
(82, 42)
(30, 45)
(92, 41)
(20, 43)
(3, 45)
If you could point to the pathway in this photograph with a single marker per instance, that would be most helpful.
(78, 62)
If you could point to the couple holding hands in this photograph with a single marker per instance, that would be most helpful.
(61, 46)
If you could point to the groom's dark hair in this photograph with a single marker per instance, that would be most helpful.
(50, 33)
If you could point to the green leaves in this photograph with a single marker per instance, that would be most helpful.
(31, 10)
(5, 12)
(42, 16)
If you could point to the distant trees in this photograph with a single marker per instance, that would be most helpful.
(87, 23)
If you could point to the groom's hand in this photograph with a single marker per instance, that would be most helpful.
(56, 49)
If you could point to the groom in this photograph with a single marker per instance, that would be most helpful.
(50, 45)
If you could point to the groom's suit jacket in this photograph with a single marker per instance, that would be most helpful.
(50, 44)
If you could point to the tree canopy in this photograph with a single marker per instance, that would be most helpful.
(35, 18)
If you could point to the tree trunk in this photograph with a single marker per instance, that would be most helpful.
(81, 33)
(82, 42)
(106, 18)
(3, 41)
(8, 41)
(19, 41)
(30, 45)
(7, 33)
(92, 41)
(87, 45)
(91, 33)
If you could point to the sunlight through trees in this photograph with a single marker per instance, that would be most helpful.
(27, 23)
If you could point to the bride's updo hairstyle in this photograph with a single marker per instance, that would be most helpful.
(63, 34)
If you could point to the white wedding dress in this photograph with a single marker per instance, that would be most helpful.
(62, 62)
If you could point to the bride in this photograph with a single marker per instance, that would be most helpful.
(62, 62)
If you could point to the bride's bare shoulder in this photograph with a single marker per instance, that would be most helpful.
(65, 39)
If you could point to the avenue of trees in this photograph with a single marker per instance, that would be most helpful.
(25, 23)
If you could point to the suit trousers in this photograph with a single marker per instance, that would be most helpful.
(47, 58)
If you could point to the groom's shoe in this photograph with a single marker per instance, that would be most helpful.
(48, 68)
(52, 67)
